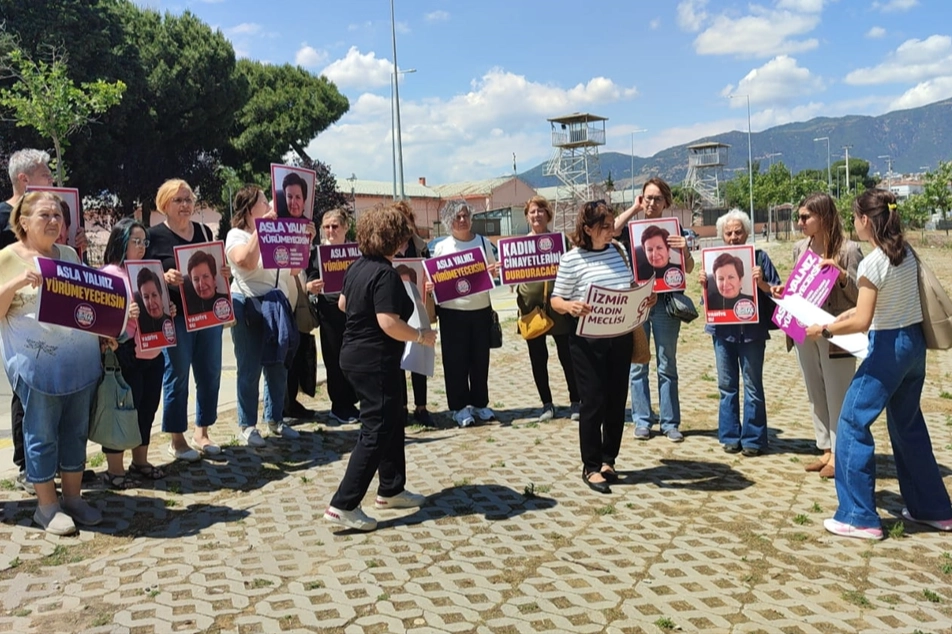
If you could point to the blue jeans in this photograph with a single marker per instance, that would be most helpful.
(199, 350)
(735, 359)
(249, 341)
(55, 429)
(666, 330)
(890, 378)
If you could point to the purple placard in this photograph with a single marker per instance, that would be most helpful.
(812, 283)
(334, 260)
(284, 243)
(531, 258)
(459, 274)
(82, 298)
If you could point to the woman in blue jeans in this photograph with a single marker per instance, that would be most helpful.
(260, 296)
(890, 377)
(739, 352)
(655, 198)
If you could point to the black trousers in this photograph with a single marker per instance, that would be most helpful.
(419, 389)
(464, 341)
(16, 425)
(144, 377)
(539, 359)
(601, 371)
(379, 447)
(339, 389)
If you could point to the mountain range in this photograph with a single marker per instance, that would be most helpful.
(915, 140)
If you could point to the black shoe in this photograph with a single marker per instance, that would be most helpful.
(731, 448)
(422, 417)
(750, 452)
(296, 410)
(611, 476)
(598, 487)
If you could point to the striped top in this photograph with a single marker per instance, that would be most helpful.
(897, 302)
(580, 268)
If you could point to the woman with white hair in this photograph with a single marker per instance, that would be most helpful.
(465, 324)
(739, 351)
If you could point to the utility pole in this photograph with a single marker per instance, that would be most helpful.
(847, 148)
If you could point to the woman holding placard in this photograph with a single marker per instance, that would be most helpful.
(827, 370)
(532, 295)
(889, 378)
(54, 370)
(601, 365)
(198, 350)
(739, 349)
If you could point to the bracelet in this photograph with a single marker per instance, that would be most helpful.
(419, 337)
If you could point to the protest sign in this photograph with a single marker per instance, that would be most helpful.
(333, 261)
(652, 255)
(459, 274)
(730, 295)
(614, 312)
(292, 191)
(155, 326)
(284, 243)
(806, 312)
(809, 281)
(71, 196)
(205, 293)
(531, 258)
(82, 298)
(412, 270)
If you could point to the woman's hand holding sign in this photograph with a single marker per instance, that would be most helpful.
(173, 277)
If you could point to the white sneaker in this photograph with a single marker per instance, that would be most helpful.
(356, 519)
(402, 500)
(282, 430)
(188, 455)
(548, 413)
(252, 438)
(464, 417)
(484, 413)
(56, 523)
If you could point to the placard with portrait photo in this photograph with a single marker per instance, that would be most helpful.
(292, 190)
(730, 295)
(205, 293)
(156, 329)
(653, 256)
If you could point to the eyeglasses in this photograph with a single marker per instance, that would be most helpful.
(803, 217)
(654, 199)
(330, 226)
(183, 201)
(139, 242)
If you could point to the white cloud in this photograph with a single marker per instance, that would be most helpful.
(924, 93)
(471, 135)
(801, 6)
(691, 15)
(893, 6)
(914, 60)
(359, 70)
(779, 81)
(655, 24)
(876, 32)
(763, 33)
(437, 16)
(245, 28)
(309, 57)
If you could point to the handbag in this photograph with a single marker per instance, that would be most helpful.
(641, 350)
(679, 306)
(113, 420)
(536, 322)
(936, 309)
(306, 315)
(495, 331)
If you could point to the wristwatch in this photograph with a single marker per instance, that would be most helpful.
(826, 333)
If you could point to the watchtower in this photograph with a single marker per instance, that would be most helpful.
(576, 138)
(706, 163)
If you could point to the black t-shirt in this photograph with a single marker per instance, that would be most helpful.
(7, 237)
(162, 243)
(372, 286)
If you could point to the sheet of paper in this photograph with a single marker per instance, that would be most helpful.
(417, 357)
(806, 313)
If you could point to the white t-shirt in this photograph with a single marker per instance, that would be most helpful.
(897, 300)
(449, 245)
(580, 268)
(258, 281)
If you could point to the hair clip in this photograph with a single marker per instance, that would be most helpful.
(891, 206)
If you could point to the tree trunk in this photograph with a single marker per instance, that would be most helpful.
(59, 161)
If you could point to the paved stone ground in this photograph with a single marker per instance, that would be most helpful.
(510, 541)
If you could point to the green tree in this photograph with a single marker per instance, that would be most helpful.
(43, 97)
(936, 192)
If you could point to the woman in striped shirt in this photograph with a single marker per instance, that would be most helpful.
(601, 365)
(890, 378)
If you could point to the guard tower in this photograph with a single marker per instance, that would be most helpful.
(576, 138)
(706, 163)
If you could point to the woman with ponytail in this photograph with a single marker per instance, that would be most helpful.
(890, 377)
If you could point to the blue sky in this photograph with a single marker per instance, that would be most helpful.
(489, 73)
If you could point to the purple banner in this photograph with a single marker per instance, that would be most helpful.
(532, 258)
(82, 298)
(810, 282)
(284, 243)
(460, 274)
(334, 260)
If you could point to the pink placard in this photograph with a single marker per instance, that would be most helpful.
(531, 258)
(334, 260)
(730, 296)
(81, 298)
(652, 255)
(284, 243)
(156, 329)
(812, 283)
(205, 293)
(459, 274)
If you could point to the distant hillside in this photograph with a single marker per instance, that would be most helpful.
(913, 138)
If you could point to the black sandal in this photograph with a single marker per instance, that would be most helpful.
(146, 471)
(598, 487)
(117, 482)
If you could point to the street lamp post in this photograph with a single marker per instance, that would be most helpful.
(353, 195)
(398, 167)
(395, 130)
(750, 167)
(829, 176)
(633, 163)
(847, 148)
(888, 167)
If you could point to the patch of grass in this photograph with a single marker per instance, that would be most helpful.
(528, 608)
(7, 484)
(383, 597)
(532, 425)
(313, 585)
(605, 510)
(931, 596)
(170, 503)
(305, 479)
(629, 505)
(856, 598)
(537, 441)
(14, 563)
(21, 612)
(891, 599)
(802, 520)
(944, 394)
(799, 537)
(816, 508)
(499, 464)
(947, 566)
(897, 530)
(154, 592)
(98, 460)
(60, 556)
(665, 623)
(713, 396)
(544, 488)
(374, 563)
(260, 583)
(708, 377)
(794, 459)
(175, 487)
(102, 619)
(490, 439)
(461, 483)
(231, 442)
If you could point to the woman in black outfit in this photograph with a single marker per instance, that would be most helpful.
(377, 307)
